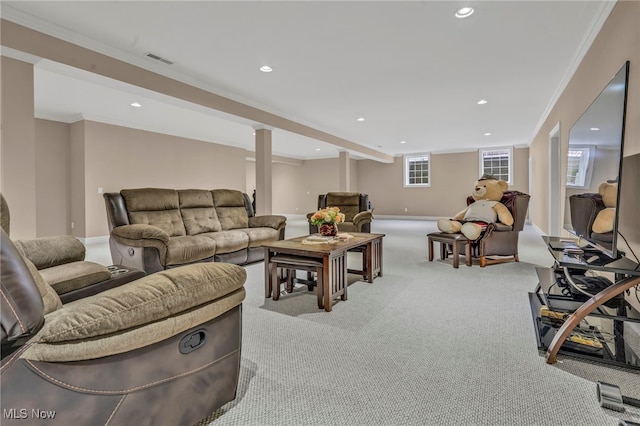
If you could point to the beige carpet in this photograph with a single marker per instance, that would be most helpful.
(425, 344)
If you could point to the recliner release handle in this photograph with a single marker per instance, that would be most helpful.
(193, 341)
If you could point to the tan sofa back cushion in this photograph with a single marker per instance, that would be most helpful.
(230, 208)
(348, 202)
(155, 206)
(198, 213)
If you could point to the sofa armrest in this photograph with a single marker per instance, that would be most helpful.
(128, 233)
(47, 252)
(362, 218)
(269, 221)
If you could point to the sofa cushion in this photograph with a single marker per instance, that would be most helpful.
(258, 236)
(74, 275)
(155, 206)
(347, 227)
(50, 298)
(198, 213)
(188, 249)
(228, 241)
(230, 208)
(199, 220)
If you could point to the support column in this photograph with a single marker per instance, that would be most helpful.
(264, 181)
(344, 171)
(18, 146)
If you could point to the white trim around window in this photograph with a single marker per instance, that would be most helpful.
(580, 166)
(417, 170)
(497, 162)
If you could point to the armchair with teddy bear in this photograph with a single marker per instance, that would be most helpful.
(492, 220)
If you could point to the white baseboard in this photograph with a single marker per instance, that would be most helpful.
(94, 240)
(401, 217)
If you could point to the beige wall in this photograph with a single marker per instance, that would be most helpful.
(17, 153)
(74, 160)
(452, 177)
(617, 42)
(53, 178)
(120, 157)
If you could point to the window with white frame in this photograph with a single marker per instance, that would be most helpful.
(417, 170)
(579, 166)
(497, 162)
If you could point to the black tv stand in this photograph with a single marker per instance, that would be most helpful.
(564, 319)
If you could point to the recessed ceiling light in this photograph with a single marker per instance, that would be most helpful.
(403, 141)
(595, 128)
(317, 149)
(482, 101)
(464, 12)
(254, 133)
(360, 119)
(487, 134)
(136, 105)
(266, 68)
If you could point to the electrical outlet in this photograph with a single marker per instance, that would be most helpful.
(406, 209)
(100, 190)
(73, 225)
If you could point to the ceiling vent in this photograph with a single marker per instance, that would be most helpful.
(159, 58)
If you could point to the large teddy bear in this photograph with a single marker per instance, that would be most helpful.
(486, 209)
(603, 222)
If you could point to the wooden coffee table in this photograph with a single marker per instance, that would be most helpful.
(333, 255)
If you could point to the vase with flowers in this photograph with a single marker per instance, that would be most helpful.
(327, 220)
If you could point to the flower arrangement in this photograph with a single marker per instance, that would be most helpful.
(327, 220)
(328, 215)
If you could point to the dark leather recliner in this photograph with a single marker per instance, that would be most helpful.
(354, 206)
(499, 242)
(583, 209)
(164, 349)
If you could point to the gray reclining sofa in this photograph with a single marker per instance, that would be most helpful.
(154, 229)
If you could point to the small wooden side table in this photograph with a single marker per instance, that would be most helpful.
(455, 240)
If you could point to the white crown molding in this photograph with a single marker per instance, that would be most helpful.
(594, 29)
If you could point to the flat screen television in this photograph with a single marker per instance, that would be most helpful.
(595, 154)
(628, 224)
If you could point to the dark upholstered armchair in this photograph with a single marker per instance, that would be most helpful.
(164, 349)
(499, 242)
(584, 208)
(354, 206)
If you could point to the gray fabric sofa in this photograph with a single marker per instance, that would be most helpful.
(154, 229)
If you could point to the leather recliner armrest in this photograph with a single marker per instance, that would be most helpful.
(362, 218)
(269, 221)
(47, 252)
(141, 232)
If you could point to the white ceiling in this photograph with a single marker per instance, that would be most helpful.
(410, 68)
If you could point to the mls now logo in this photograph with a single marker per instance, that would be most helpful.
(23, 413)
